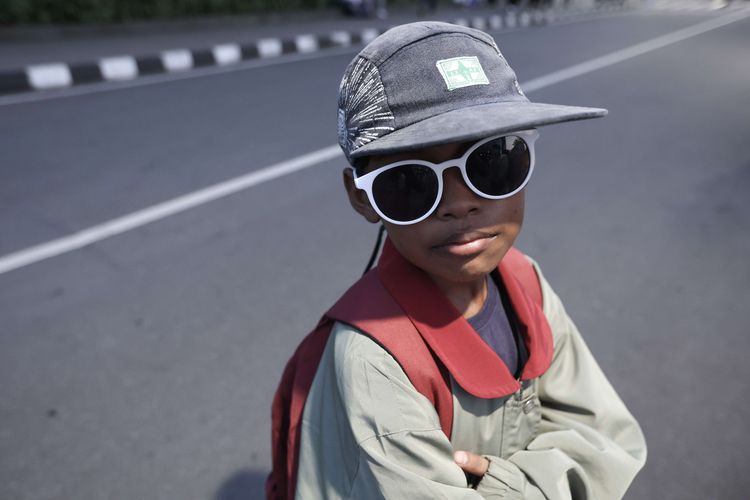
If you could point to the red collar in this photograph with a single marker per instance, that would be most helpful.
(471, 362)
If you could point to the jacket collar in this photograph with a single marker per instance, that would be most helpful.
(470, 361)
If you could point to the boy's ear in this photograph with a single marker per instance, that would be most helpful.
(358, 198)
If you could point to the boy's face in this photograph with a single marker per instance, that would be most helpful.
(464, 238)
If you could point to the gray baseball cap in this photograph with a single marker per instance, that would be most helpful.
(428, 83)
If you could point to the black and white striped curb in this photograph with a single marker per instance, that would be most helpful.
(124, 68)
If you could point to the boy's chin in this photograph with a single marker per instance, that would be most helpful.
(468, 272)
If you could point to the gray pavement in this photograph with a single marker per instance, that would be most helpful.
(143, 366)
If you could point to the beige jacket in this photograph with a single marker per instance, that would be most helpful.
(367, 433)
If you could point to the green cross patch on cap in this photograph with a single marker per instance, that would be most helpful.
(462, 72)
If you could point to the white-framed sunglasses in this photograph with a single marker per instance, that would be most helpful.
(408, 191)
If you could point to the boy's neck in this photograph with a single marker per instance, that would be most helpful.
(467, 297)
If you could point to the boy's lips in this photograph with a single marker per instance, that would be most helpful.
(465, 244)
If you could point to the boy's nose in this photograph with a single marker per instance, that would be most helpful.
(458, 200)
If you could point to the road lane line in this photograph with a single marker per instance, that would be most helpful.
(160, 211)
(630, 52)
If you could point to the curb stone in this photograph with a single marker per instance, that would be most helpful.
(41, 77)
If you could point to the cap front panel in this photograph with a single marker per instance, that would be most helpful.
(445, 72)
(429, 83)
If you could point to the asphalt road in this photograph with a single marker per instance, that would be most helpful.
(143, 366)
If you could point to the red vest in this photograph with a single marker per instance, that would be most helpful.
(400, 307)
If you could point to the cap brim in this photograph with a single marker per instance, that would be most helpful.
(474, 123)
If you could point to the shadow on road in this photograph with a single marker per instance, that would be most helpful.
(244, 484)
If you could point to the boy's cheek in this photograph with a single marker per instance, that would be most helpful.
(416, 242)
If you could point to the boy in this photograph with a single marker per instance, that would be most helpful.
(441, 141)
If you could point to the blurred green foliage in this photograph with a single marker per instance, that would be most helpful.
(95, 11)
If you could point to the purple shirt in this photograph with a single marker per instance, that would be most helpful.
(491, 323)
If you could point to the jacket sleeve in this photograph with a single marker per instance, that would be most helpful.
(400, 451)
(588, 445)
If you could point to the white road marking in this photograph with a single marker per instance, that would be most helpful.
(478, 23)
(306, 43)
(368, 35)
(118, 68)
(45, 76)
(228, 53)
(630, 52)
(160, 211)
(525, 19)
(341, 38)
(177, 60)
(269, 47)
(496, 22)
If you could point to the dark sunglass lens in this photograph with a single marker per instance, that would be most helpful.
(500, 166)
(406, 192)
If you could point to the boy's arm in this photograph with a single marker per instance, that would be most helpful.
(399, 449)
(588, 444)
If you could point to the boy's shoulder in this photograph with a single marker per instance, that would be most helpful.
(351, 348)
